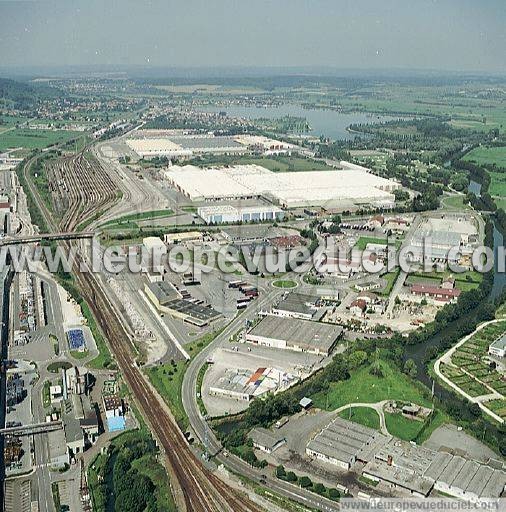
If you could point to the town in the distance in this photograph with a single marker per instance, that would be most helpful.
(318, 311)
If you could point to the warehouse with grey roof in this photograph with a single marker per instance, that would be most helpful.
(295, 334)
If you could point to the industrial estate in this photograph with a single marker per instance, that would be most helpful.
(368, 364)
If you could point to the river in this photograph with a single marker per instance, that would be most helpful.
(417, 352)
(329, 123)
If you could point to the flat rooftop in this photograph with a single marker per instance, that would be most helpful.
(163, 291)
(256, 232)
(297, 332)
(297, 303)
(499, 343)
(291, 189)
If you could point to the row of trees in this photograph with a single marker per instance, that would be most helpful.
(306, 483)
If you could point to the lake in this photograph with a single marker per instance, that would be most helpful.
(328, 123)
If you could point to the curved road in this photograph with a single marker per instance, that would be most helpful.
(209, 440)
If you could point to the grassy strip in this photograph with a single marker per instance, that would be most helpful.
(306, 483)
(363, 415)
(104, 359)
(284, 283)
(401, 427)
(200, 379)
(133, 217)
(168, 378)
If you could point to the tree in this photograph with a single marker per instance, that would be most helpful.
(319, 489)
(410, 368)
(334, 494)
(376, 369)
(280, 472)
(357, 358)
(291, 476)
(305, 482)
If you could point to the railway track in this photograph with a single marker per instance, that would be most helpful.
(80, 188)
(196, 489)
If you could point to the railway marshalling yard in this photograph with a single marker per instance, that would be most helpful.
(199, 345)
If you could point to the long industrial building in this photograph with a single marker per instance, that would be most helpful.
(295, 334)
(342, 443)
(227, 213)
(170, 144)
(406, 466)
(337, 188)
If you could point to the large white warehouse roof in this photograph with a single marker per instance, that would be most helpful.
(290, 188)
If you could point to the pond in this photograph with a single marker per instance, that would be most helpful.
(329, 123)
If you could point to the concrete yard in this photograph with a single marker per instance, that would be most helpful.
(449, 438)
(238, 356)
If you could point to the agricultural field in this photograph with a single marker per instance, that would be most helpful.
(484, 155)
(497, 406)
(492, 156)
(468, 111)
(471, 372)
(34, 139)
(464, 381)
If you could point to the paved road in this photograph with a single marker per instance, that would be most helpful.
(207, 437)
(378, 407)
(446, 359)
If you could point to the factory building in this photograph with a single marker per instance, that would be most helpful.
(168, 300)
(295, 334)
(158, 143)
(419, 470)
(266, 440)
(296, 305)
(346, 187)
(342, 443)
(228, 213)
(245, 385)
(443, 241)
(177, 146)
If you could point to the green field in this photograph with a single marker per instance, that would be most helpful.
(274, 163)
(362, 242)
(34, 139)
(363, 415)
(168, 379)
(489, 156)
(401, 427)
(455, 202)
(484, 155)
(363, 387)
(390, 278)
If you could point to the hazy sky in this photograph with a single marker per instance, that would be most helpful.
(461, 35)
